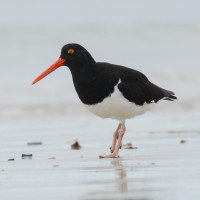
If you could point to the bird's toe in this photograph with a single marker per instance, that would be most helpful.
(109, 156)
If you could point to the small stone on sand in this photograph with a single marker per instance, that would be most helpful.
(34, 143)
(75, 146)
(129, 144)
(183, 141)
(52, 158)
(29, 156)
(130, 147)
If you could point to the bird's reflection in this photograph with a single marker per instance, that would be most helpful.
(122, 181)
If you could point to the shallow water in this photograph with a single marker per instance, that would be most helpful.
(161, 168)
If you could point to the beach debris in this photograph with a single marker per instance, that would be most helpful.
(182, 141)
(128, 146)
(55, 165)
(27, 156)
(52, 158)
(153, 163)
(76, 145)
(34, 143)
(131, 148)
(11, 159)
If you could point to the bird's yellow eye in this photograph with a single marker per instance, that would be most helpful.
(70, 51)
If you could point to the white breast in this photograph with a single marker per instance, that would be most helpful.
(117, 107)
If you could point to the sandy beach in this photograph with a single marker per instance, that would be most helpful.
(165, 165)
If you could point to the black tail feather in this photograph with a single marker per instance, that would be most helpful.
(169, 95)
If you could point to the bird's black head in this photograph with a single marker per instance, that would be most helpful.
(72, 55)
(75, 56)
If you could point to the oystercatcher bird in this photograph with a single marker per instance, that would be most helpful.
(108, 90)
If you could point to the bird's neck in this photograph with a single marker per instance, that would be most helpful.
(84, 81)
(83, 74)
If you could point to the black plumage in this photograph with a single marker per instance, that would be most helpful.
(94, 81)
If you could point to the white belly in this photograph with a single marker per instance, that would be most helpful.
(117, 107)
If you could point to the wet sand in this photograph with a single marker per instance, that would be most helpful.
(166, 164)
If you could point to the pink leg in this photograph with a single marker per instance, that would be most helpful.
(115, 137)
(121, 132)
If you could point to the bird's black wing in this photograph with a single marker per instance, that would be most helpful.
(135, 86)
(144, 92)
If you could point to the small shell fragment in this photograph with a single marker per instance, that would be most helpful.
(52, 158)
(11, 159)
(76, 146)
(27, 156)
(34, 143)
(183, 141)
(129, 146)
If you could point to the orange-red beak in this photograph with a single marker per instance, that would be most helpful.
(53, 67)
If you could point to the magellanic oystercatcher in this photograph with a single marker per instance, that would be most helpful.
(107, 90)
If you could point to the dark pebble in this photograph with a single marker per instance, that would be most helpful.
(131, 148)
(183, 141)
(75, 146)
(24, 156)
(34, 143)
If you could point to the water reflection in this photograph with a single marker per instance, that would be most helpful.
(122, 181)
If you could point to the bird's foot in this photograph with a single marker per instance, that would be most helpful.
(113, 155)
